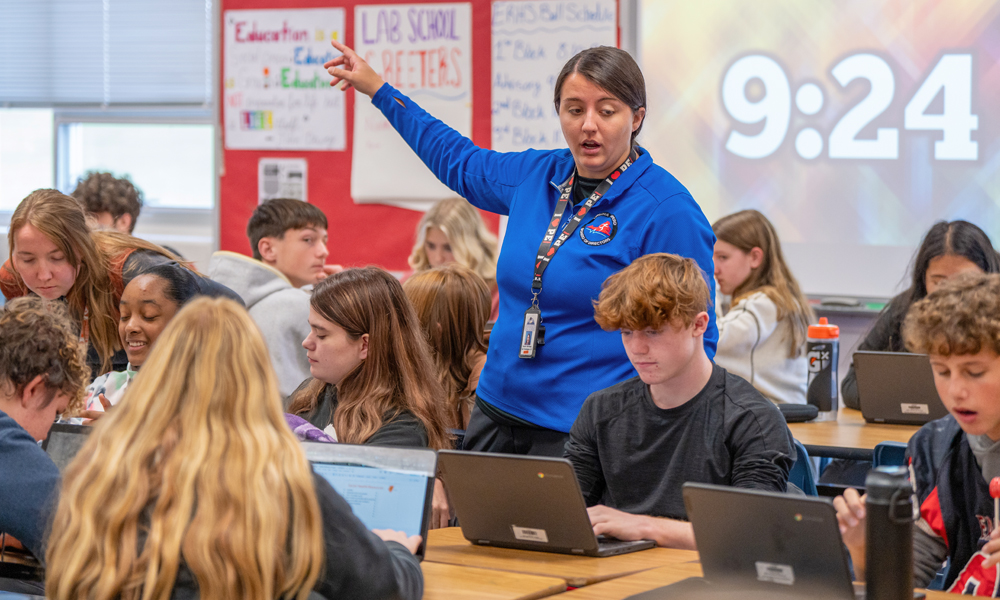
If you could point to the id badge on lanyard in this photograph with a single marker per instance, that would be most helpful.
(533, 331)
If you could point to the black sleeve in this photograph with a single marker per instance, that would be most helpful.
(761, 447)
(849, 389)
(405, 430)
(884, 336)
(358, 564)
(582, 452)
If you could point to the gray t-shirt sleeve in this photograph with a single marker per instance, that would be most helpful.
(582, 452)
(929, 554)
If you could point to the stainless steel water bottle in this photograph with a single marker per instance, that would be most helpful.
(822, 351)
(889, 534)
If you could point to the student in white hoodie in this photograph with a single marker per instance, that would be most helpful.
(762, 335)
(288, 239)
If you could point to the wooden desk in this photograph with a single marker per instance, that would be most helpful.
(623, 587)
(443, 581)
(849, 436)
(449, 547)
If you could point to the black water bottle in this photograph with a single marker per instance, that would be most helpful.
(889, 535)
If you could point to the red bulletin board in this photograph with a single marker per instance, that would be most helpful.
(360, 234)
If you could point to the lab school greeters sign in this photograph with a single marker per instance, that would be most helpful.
(277, 93)
(424, 51)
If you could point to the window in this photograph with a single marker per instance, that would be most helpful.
(26, 153)
(173, 164)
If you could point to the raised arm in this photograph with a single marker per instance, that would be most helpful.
(484, 177)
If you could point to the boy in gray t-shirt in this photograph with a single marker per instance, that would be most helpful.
(682, 419)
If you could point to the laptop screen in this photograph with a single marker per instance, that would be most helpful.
(63, 443)
(387, 488)
(380, 498)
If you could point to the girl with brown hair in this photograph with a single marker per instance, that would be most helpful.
(762, 336)
(54, 255)
(209, 494)
(453, 304)
(373, 379)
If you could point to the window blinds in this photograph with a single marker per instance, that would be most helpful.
(106, 52)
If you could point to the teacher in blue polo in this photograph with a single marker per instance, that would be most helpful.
(576, 216)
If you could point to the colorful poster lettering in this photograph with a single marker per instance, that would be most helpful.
(276, 92)
(424, 51)
(531, 43)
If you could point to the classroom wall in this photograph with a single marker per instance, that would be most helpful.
(359, 234)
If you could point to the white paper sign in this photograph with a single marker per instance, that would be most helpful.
(424, 51)
(277, 93)
(282, 178)
(531, 43)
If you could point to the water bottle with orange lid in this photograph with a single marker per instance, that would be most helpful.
(822, 349)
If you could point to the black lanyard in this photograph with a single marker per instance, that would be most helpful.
(548, 248)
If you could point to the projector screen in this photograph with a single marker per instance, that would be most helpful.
(852, 125)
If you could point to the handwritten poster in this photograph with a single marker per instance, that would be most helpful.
(277, 93)
(424, 51)
(531, 43)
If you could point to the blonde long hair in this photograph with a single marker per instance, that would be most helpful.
(453, 305)
(94, 293)
(196, 465)
(749, 229)
(472, 244)
(397, 375)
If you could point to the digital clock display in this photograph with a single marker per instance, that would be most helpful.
(854, 125)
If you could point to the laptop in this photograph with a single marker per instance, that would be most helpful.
(768, 544)
(523, 502)
(387, 488)
(63, 443)
(897, 387)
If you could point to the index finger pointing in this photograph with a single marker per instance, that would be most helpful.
(343, 48)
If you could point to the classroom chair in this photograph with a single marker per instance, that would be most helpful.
(801, 473)
(889, 454)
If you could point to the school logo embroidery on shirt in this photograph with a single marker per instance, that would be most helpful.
(600, 230)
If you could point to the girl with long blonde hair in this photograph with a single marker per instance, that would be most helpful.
(762, 336)
(453, 304)
(194, 485)
(53, 254)
(454, 231)
(373, 378)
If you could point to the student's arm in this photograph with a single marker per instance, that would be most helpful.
(29, 486)
(760, 446)
(851, 518)
(879, 338)
(582, 451)
(358, 563)
(667, 533)
(747, 325)
(929, 553)
(849, 389)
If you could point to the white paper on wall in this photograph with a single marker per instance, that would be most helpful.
(424, 51)
(277, 95)
(282, 178)
(531, 42)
